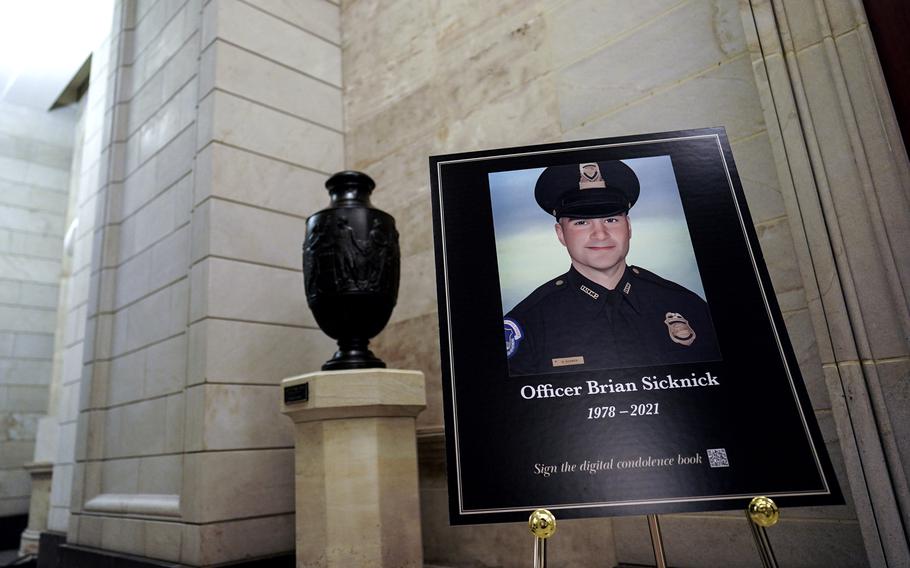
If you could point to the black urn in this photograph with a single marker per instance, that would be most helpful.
(351, 267)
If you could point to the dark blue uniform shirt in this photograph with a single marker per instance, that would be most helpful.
(571, 323)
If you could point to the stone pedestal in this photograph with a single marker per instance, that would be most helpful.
(41, 473)
(357, 500)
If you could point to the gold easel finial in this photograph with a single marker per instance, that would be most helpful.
(763, 512)
(542, 523)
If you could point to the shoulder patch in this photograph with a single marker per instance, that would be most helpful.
(514, 336)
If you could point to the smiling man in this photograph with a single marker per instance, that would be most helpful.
(602, 313)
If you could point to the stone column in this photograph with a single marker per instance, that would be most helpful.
(39, 505)
(357, 498)
(844, 174)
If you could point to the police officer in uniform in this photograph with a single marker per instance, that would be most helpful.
(602, 313)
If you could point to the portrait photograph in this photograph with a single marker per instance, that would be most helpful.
(608, 331)
(557, 302)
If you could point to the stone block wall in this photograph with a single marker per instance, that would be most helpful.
(210, 128)
(423, 78)
(207, 133)
(35, 153)
(87, 177)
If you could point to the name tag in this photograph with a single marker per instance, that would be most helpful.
(566, 361)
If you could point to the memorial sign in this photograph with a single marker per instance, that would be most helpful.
(610, 339)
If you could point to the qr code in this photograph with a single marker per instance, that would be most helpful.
(718, 457)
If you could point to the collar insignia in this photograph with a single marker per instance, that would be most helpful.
(590, 176)
(679, 329)
(626, 288)
(589, 292)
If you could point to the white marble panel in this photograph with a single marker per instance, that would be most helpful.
(249, 178)
(38, 295)
(9, 291)
(152, 319)
(15, 483)
(238, 417)
(243, 352)
(25, 372)
(255, 235)
(155, 221)
(24, 196)
(7, 338)
(233, 484)
(122, 535)
(690, 39)
(72, 363)
(117, 476)
(14, 506)
(138, 189)
(593, 23)
(417, 295)
(34, 346)
(253, 127)
(317, 16)
(127, 376)
(145, 102)
(32, 221)
(723, 96)
(14, 453)
(165, 367)
(175, 33)
(245, 74)
(162, 540)
(22, 171)
(29, 269)
(249, 292)
(164, 84)
(756, 168)
(53, 127)
(132, 279)
(48, 247)
(150, 24)
(14, 318)
(228, 541)
(176, 115)
(259, 32)
(174, 439)
(24, 398)
(136, 429)
(391, 51)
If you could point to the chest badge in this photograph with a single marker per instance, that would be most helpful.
(680, 330)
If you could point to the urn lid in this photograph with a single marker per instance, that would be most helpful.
(350, 188)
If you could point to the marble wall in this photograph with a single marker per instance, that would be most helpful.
(210, 128)
(208, 131)
(35, 153)
(425, 78)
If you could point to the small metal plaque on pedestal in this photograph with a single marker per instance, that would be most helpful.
(297, 393)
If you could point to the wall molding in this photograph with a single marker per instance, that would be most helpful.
(844, 176)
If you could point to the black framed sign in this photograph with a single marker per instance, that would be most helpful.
(611, 343)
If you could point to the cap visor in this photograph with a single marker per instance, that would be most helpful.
(591, 210)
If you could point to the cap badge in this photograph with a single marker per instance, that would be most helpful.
(589, 292)
(513, 336)
(680, 330)
(590, 176)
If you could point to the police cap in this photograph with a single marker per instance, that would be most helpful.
(584, 191)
